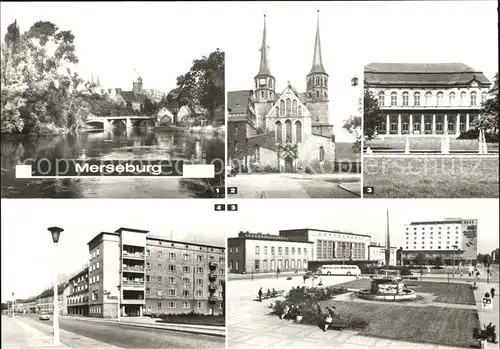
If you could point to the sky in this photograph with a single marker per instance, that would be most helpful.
(367, 216)
(27, 248)
(354, 34)
(119, 40)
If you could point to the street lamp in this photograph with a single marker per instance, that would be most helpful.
(118, 316)
(13, 305)
(56, 232)
(454, 248)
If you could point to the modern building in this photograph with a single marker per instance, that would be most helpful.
(45, 301)
(450, 238)
(332, 245)
(255, 253)
(428, 99)
(140, 273)
(285, 130)
(78, 298)
(376, 253)
(25, 305)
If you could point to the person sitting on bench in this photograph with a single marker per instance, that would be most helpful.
(286, 309)
(327, 322)
(268, 294)
(274, 293)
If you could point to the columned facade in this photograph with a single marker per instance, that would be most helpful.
(427, 99)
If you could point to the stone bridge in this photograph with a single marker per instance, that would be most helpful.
(109, 121)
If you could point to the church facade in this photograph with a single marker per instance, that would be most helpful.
(285, 131)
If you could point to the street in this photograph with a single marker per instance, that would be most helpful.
(288, 185)
(119, 335)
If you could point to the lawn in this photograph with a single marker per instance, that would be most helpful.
(344, 152)
(216, 320)
(453, 293)
(426, 144)
(438, 325)
(441, 177)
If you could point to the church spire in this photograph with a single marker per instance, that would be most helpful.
(317, 63)
(264, 53)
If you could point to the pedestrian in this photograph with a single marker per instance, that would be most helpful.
(260, 294)
(327, 322)
(278, 271)
(286, 309)
(486, 295)
(492, 292)
(304, 277)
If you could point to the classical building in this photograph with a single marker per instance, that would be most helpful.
(266, 253)
(294, 249)
(78, 298)
(450, 238)
(428, 99)
(140, 273)
(45, 301)
(376, 253)
(286, 130)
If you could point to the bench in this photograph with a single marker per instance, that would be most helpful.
(338, 325)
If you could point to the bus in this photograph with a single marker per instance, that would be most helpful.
(334, 269)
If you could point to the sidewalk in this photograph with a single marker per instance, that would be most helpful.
(266, 275)
(16, 334)
(147, 322)
(487, 315)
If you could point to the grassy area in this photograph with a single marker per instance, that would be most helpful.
(423, 144)
(437, 325)
(217, 320)
(453, 293)
(442, 177)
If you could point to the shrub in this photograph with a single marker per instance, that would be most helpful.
(474, 134)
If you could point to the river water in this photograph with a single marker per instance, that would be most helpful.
(116, 144)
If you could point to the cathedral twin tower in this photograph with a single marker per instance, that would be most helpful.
(315, 99)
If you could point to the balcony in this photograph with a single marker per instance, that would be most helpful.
(212, 265)
(212, 277)
(212, 287)
(133, 268)
(133, 255)
(133, 284)
(212, 299)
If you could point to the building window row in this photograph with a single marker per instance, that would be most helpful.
(428, 99)
(288, 108)
(280, 250)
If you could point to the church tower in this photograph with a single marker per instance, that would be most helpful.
(264, 84)
(317, 86)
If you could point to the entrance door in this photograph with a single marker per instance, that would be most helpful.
(288, 164)
(273, 265)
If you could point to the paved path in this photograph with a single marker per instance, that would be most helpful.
(290, 186)
(16, 334)
(252, 326)
(487, 315)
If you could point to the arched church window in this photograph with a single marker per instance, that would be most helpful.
(299, 111)
(288, 131)
(277, 111)
(270, 83)
(321, 154)
(294, 108)
(318, 82)
(317, 94)
(324, 82)
(282, 108)
(279, 135)
(288, 107)
(298, 132)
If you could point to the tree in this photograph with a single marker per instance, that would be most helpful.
(488, 118)
(420, 259)
(480, 258)
(438, 261)
(353, 126)
(372, 115)
(149, 107)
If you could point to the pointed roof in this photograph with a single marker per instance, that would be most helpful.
(264, 53)
(317, 63)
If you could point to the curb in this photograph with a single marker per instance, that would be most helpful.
(341, 186)
(178, 328)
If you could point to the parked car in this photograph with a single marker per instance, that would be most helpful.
(43, 316)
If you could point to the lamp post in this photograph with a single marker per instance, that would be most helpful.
(454, 248)
(56, 232)
(118, 314)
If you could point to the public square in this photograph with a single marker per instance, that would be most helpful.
(251, 324)
(289, 185)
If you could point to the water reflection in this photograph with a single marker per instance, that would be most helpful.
(117, 144)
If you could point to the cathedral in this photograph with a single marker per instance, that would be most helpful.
(286, 131)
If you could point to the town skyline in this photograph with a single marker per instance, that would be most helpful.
(118, 57)
(346, 216)
(34, 240)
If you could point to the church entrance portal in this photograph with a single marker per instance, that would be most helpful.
(288, 165)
